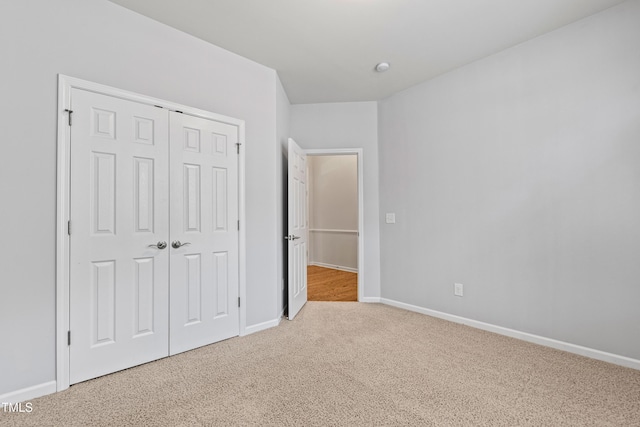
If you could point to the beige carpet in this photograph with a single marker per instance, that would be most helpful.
(354, 364)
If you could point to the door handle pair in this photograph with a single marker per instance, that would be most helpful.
(175, 244)
(291, 237)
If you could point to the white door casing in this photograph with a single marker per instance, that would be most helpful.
(145, 120)
(297, 228)
(119, 284)
(204, 220)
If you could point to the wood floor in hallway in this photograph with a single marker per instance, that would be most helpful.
(327, 284)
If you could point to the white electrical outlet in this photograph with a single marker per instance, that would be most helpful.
(458, 289)
(390, 218)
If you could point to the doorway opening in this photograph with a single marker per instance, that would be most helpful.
(297, 223)
(334, 224)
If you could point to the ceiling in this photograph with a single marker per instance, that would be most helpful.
(326, 50)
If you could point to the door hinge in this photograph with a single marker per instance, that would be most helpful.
(69, 227)
(238, 225)
(238, 301)
(68, 337)
(70, 112)
(238, 147)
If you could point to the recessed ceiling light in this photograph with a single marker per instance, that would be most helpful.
(382, 67)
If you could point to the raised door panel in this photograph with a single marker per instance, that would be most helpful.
(220, 275)
(191, 198)
(103, 303)
(102, 197)
(144, 295)
(193, 281)
(143, 200)
(219, 198)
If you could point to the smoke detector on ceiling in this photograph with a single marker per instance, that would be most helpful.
(382, 67)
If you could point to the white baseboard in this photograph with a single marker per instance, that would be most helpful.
(262, 326)
(524, 336)
(334, 267)
(370, 299)
(28, 393)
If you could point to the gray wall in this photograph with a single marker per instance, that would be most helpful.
(518, 176)
(333, 205)
(99, 41)
(348, 125)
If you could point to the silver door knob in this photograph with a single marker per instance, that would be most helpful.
(291, 237)
(176, 244)
(159, 245)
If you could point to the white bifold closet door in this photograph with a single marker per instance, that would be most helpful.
(154, 239)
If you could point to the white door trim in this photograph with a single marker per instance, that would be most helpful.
(358, 152)
(65, 85)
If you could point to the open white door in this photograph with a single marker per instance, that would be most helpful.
(297, 228)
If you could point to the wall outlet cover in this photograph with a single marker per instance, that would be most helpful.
(390, 218)
(458, 289)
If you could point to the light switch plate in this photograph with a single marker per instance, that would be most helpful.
(390, 218)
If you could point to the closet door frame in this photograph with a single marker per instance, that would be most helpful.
(65, 119)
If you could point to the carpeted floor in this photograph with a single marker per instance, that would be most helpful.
(352, 364)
